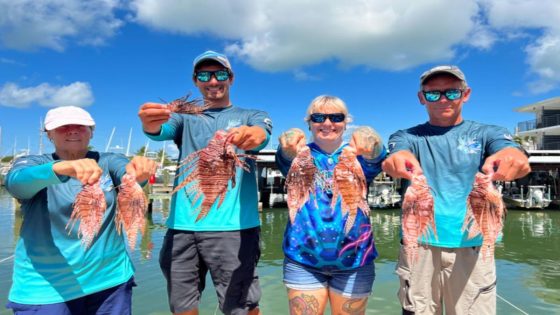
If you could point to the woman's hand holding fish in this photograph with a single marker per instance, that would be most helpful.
(141, 168)
(247, 137)
(291, 142)
(367, 142)
(85, 170)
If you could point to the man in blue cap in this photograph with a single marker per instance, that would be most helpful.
(226, 241)
(450, 272)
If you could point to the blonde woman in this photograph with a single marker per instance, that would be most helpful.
(322, 262)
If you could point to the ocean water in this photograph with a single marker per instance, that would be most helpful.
(528, 262)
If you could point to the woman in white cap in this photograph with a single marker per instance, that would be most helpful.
(53, 272)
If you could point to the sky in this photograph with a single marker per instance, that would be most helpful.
(111, 56)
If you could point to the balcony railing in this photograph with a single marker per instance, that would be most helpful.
(551, 146)
(527, 125)
(546, 121)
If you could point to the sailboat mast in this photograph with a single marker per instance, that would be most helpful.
(110, 139)
(163, 154)
(41, 131)
(128, 145)
(146, 147)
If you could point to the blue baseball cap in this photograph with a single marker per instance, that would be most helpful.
(212, 55)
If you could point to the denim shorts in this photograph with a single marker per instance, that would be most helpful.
(113, 301)
(352, 283)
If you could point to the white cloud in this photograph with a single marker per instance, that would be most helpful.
(514, 17)
(10, 62)
(171, 149)
(385, 34)
(516, 14)
(77, 94)
(272, 35)
(543, 57)
(32, 24)
(281, 35)
(301, 75)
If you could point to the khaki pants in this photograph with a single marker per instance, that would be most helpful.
(455, 278)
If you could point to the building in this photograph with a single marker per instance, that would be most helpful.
(541, 138)
(270, 180)
(543, 132)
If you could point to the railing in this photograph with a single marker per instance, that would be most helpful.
(549, 121)
(551, 146)
(527, 125)
(545, 121)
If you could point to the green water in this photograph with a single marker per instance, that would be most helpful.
(527, 261)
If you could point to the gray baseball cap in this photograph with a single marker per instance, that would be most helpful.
(453, 70)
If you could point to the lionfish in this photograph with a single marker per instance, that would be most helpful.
(349, 182)
(485, 213)
(185, 106)
(300, 181)
(89, 207)
(417, 215)
(132, 205)
(209, 172)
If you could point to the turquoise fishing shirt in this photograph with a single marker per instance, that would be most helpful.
(191, 133)
(450, 158)
(51, 265)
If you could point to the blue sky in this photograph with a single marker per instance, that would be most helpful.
(110, 56)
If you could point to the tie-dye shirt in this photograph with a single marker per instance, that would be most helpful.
(450, 158)
(317, 237)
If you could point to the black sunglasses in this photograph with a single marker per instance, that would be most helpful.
(450, 94)
(319, 118)
(205, 76)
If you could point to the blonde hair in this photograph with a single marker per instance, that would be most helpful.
(323, 102)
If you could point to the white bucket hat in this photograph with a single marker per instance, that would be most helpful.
(67, 115)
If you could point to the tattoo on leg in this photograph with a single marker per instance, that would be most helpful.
(355, 306)
(304, 304)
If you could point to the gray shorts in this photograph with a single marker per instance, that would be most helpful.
(230, 256)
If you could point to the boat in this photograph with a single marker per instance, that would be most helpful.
(165, 175)
(272, 192)
(528, 197)
(383, 194)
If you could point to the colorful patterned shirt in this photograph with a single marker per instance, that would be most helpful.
(317, 237)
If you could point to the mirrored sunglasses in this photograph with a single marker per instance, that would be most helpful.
(205, 76)
(319, 118)
(450, 94)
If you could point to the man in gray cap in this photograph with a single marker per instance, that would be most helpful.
(449, 270)
(226, 240)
